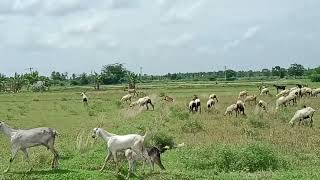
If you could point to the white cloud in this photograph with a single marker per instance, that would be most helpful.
(252, 31)
(180, 40)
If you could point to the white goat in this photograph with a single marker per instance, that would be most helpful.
(126, 98)
(25, 139)
(292, 97)
(305, 113)
(213, 96)
(243, 94)
(143, 102)
(230, 109)
(198, 104)
(117, 143)
(84, 98)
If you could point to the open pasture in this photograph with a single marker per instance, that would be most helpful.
(259, 146)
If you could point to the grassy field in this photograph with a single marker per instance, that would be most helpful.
(259, 146)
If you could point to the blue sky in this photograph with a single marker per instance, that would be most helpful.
(161, 35)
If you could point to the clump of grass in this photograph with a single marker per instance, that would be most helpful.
(82, 143)
(179, 113)
(192, 126)
(258, 123)
(64, 99)
(35, 99)
(162, 94)
(162, 139)
(250, 158)
(91, 112)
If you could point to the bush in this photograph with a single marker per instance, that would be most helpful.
(251, 158)
(315, 77)
(192, 126)
(179, 113)
(162, 139)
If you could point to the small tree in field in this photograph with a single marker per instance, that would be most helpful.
(296, 70)
(132, 79)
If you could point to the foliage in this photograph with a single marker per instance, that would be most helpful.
(113, 74)
(296, 70)
(315, 77)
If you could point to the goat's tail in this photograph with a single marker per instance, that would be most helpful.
(146, 134)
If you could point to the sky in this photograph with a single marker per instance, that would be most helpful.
(161, 36)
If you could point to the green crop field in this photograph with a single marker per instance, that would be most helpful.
(258, 146)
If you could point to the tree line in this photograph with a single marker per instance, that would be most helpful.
(118, 74)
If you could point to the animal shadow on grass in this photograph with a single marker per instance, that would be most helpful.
(46, 172)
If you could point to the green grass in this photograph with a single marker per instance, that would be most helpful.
(259, 146)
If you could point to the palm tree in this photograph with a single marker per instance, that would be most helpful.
(132, 79)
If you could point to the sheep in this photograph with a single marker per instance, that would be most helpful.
(292, 97)
(213, 96)
(315, 92)
(143, 102)
(264, 91)
(240, 107)
(126, 98)
(279, 87)
(154, 153)
(281, 101)
(210, 103)
(263, 105)
(198, 104)
(243, 94)
(25, 139)
(250, 99)
(117, 143)
(192, 106)
(305, 113)
(230, 109)
(306, 91)
(133, 91)
(84, 98)
(283, 93)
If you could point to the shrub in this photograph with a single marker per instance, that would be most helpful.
(250, 158)
(179, 113)
(162, 139)
(257, 123)
(192, 126)
(315, 77)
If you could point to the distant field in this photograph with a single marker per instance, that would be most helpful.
(259, 146)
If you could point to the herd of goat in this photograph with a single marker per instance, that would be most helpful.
(133, 145)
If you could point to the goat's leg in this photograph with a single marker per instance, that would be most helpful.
(26, 157)
(152, 105)
(116, 161)
(109, 156)
(14, 151)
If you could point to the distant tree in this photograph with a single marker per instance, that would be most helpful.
(278, 71)
(231, 74)
(296, 70)
(266, 72)
(113, 74)
(83, 79)
(132, 79)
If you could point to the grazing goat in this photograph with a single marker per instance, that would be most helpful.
(279, 87)
(25, 139)
(167, 98)
(281, 101)
(154, 153)
(230, 109)
(243, 94)
(213, 96)
(292, 97)
(84, 98)
(210, 103)
(126, 98)
(240, 108)
(117, 143)
(192, 106)
(315, 92)
(305, 113)
(250, 99)
(143, 102)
